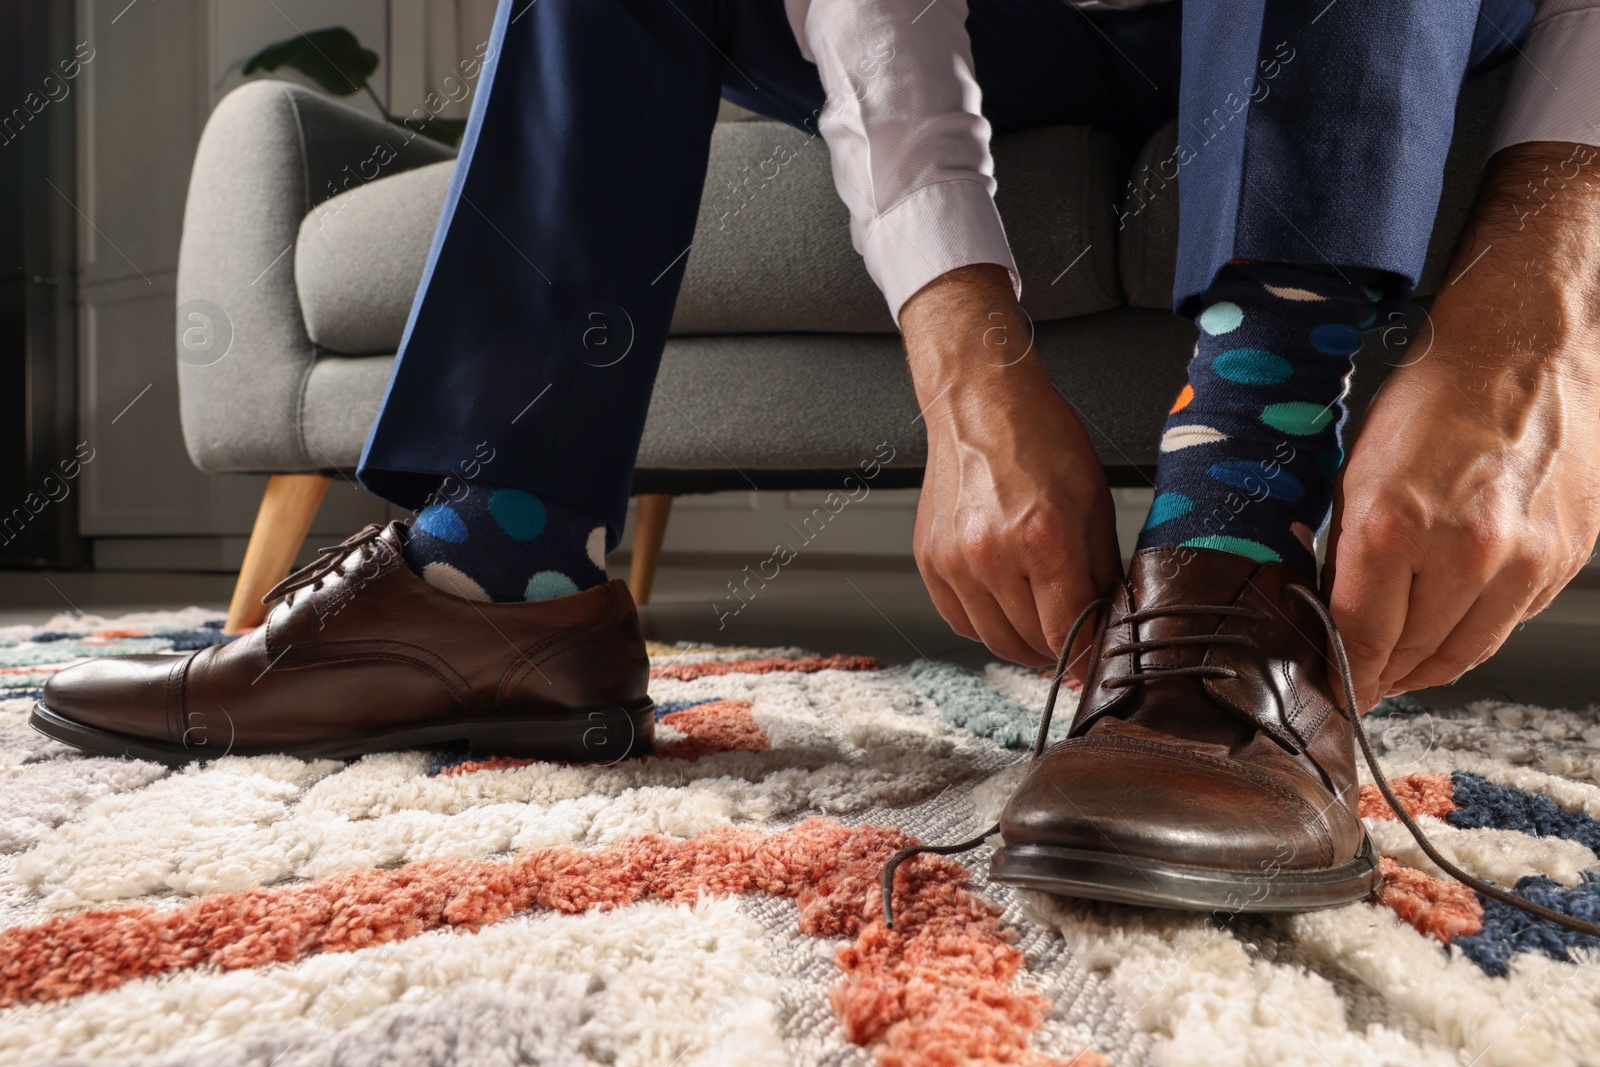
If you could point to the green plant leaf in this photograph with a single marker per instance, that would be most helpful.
(332, 58)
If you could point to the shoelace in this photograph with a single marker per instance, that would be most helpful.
(1154, 644)
(328, 560)
(1347, 684)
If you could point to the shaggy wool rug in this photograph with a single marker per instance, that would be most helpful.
(716, 903)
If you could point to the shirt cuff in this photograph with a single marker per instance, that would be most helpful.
(1555, 93)
(934, 230)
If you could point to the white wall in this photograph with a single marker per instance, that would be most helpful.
(240, 28)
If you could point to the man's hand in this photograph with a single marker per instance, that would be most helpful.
(1015, 530)
(1472, 493)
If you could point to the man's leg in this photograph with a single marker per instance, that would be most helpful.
(1310, 167)
(526, 368)
(524, 376)
(1325, 142)
(1209, 764)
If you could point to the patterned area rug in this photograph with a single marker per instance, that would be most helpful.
(717, 902)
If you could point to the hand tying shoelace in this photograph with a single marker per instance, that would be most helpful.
(1041, 742)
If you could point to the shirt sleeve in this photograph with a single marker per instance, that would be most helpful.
(908, 142)
(1555, 92)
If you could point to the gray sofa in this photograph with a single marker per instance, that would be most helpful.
(308, 223)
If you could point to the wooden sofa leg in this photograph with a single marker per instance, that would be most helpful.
(649, 529)
(287, 508)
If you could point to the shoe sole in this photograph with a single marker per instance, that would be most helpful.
(1151, 883)
(603, 734)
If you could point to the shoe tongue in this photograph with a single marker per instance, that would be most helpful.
(1189, 576)
(395, 534)
(1182, 707)
(1162, 577)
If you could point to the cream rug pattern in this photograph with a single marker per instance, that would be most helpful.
(717, 902)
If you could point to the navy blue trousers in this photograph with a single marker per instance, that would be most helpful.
(1309, 133)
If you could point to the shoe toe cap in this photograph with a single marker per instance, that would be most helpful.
(128, 695)
(1167, 806)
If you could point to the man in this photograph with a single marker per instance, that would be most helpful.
(1208, 746)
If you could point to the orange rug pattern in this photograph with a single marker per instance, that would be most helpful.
(687, 672)
(939, 989)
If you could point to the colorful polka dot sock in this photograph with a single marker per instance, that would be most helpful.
(489, 542)
(1251, 447)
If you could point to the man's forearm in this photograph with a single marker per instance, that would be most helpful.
(1525, 283)
(963, 323)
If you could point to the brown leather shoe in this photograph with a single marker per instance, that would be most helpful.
(363, 656)
(1208, 766)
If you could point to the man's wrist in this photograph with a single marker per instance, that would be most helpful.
(1525, 283)
(965, 329)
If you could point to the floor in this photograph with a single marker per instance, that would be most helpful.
(855, 605)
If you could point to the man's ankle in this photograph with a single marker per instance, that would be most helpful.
(490, 542)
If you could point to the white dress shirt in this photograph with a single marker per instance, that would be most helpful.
(910, 146)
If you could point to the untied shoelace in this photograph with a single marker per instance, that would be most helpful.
(1488, 889)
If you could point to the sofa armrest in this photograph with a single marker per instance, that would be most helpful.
(271, 152)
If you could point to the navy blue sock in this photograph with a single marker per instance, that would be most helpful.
(489, 542)
(1251, 447)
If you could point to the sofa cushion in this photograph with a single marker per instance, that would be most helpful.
(751, 403)
(1149, 202)
(358, 259)
(772, 246)
(748, 404)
